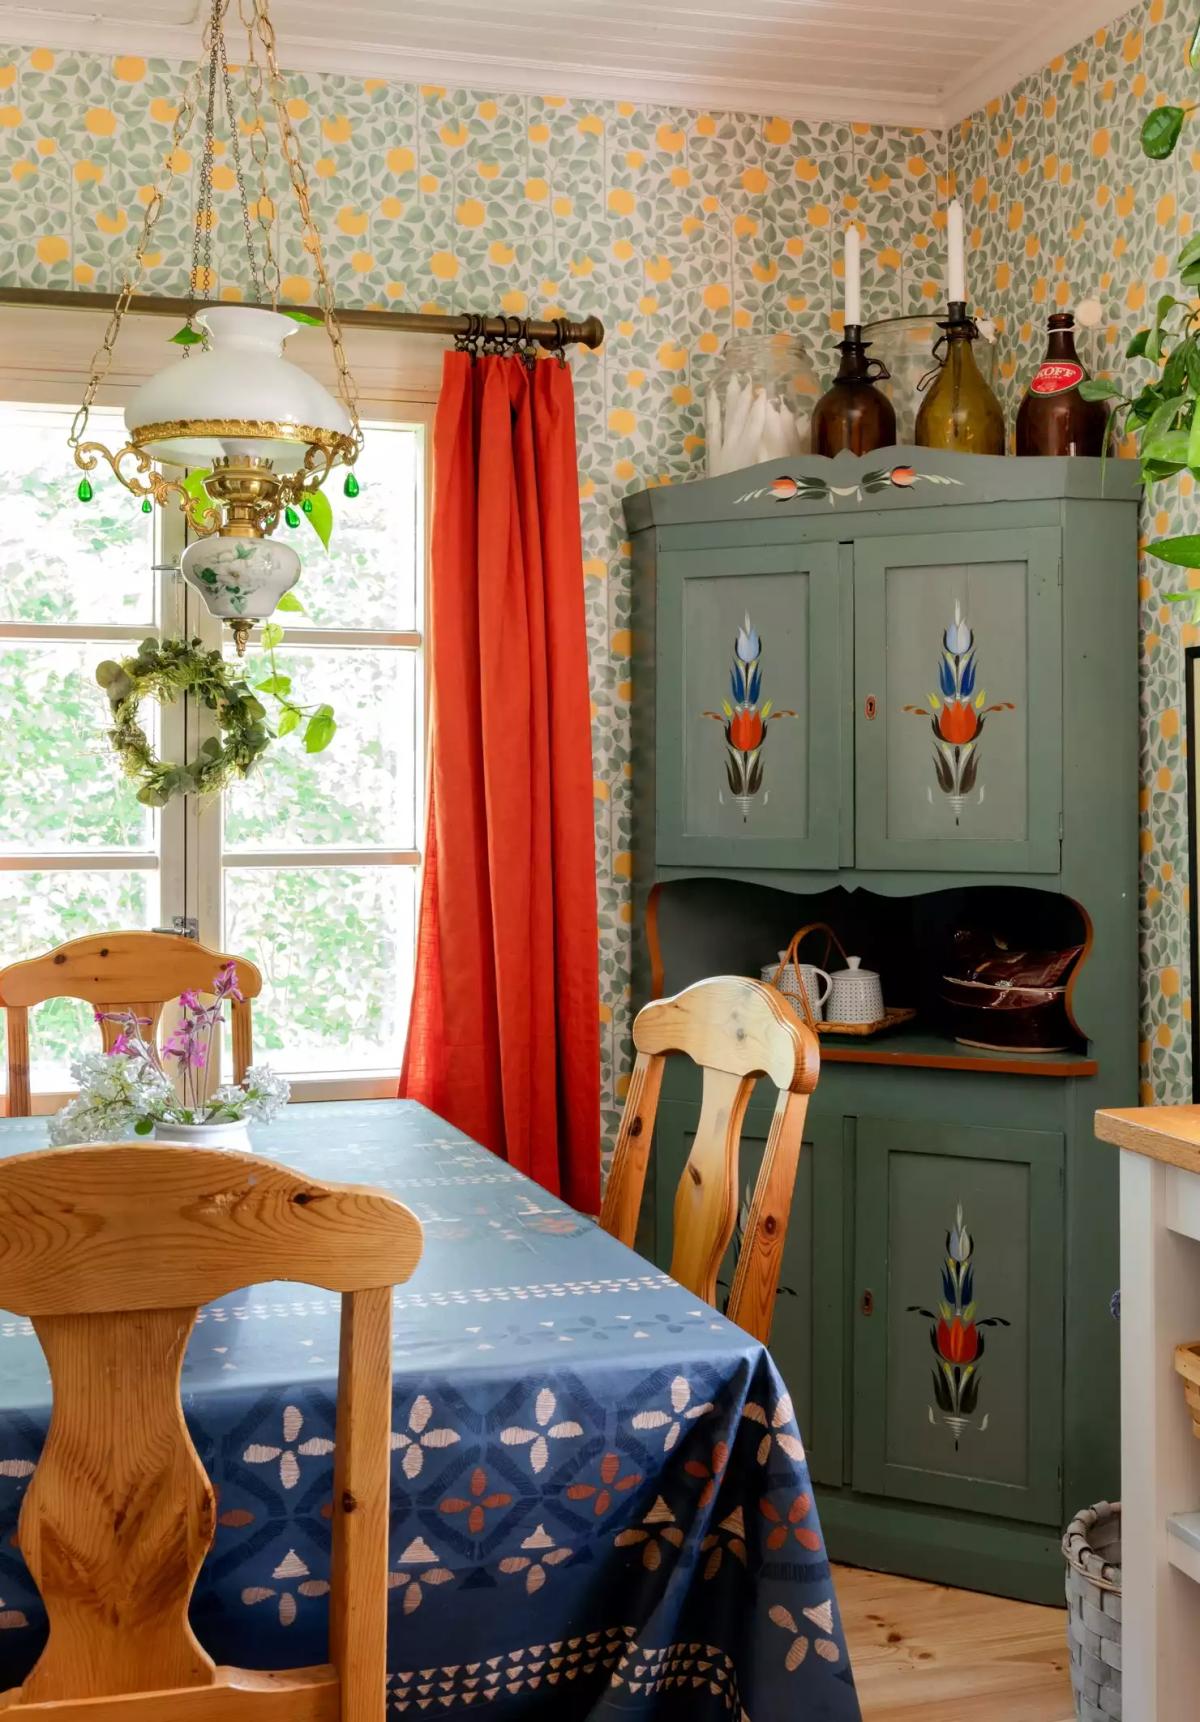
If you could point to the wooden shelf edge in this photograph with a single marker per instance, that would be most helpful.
(1001, 1065)
(1183, 1543)
(1167, 1133)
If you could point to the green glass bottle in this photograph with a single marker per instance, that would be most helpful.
(959, 410)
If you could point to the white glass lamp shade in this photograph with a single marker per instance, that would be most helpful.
(237, 396)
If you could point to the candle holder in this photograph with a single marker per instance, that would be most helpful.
(959, 411)
(852, 413)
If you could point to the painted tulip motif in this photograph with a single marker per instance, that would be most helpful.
(957, 713)
(744, 720)
(955, 1333)
(813, 487)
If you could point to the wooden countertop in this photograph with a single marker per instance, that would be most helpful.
(1167, 1133)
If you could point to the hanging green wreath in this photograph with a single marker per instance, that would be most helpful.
(163, 670)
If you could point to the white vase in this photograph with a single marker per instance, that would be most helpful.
(229, 1133)
(240, 576)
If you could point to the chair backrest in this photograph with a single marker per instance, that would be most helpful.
(134, 971)
(736, 1030)
(110, 1251)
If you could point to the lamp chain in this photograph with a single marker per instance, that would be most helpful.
(255, 16)
(202, 275)
(136, 269)
(260, 152)
(256, 280)
(290, 145)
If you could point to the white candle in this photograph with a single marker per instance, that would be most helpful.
(853, 299)
(957, 283)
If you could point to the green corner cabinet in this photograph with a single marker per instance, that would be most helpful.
(793, 629)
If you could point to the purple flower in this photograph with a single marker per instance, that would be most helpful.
(178, 1041)
(121, 1044)
(226, 984)
(190, 1000)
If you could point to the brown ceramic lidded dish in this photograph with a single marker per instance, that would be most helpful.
(1002, 1000)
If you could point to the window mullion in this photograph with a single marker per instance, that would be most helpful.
(202, 815)
(169, 541)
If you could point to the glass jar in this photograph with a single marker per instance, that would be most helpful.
(905, 345)
(759, 401)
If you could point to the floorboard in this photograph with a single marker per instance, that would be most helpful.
(925, 1653)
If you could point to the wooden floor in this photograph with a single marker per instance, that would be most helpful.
(923, 1653)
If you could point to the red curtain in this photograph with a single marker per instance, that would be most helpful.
(504, 1037)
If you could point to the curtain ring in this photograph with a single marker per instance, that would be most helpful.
(525, 347)
(467, 341)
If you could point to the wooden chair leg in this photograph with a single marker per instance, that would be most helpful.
(361, 1488)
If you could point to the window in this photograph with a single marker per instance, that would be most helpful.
(315, 859)
(310, 868)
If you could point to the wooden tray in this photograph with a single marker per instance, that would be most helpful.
(891, 1018)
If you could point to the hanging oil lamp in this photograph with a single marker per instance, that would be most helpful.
(263, 434)
(959, 410)
(853, 413)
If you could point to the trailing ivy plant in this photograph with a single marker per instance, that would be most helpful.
(1164, 413)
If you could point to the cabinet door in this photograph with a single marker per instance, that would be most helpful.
(749, 765)
(958, 1330)
(958, 681)
(808, 1334)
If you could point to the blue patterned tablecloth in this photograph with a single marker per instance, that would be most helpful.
(600, 1505)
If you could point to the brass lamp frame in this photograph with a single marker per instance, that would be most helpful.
(249, 491)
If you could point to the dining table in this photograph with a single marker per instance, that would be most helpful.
(600, 1502)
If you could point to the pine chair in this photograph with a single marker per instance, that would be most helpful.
(140, 972)
(736, 1030)
(110, 1251)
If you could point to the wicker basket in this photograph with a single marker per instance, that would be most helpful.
(1092, 1546)
(785, 974)
(1187, 1364)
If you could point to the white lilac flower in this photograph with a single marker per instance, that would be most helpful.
(116, 1092)
(259, 1097)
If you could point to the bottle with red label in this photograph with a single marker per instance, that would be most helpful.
(1054, 418)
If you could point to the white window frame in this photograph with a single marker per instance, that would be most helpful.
(45, 358)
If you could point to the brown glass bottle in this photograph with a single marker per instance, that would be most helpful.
(1054, 418)
(959, 410)
(853, 413)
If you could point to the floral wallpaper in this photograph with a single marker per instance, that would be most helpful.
(1062, 205)
(677, 228)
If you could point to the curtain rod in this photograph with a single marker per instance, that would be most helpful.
(561, 332)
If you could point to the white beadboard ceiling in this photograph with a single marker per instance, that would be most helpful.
(895, 62)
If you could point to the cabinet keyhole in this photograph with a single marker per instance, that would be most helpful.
(869, 707)
(867, 1303)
